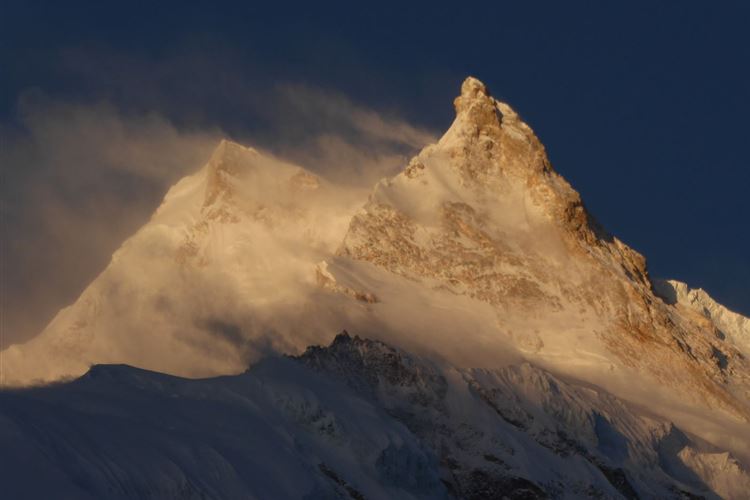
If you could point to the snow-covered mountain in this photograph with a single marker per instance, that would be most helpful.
(730, 325)
(197, 290)
(483, 214)
(479, 260)
(357, 419)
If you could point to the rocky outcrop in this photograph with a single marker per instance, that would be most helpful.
(483, 214)
(731, 327)
(513, 432)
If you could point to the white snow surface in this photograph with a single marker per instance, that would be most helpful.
(357, 419)
(734, 326)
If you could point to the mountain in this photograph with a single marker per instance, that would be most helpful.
(230, 248)
(356, 419)
(477, 258)
(483, 214)
(730, 325)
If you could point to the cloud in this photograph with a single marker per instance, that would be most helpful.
(336, 112)
(340, 139)
(82, 176)
(79, 179)
(97, 139)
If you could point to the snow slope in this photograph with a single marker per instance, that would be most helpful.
(732, 327)
(230, 248)
(356, 419)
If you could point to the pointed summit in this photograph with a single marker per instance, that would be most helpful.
(488, 180)
(473, 93)
(472, 88)
(490, 140)
(229, 156)
(476, 106)
(496, 152)
(227, 161)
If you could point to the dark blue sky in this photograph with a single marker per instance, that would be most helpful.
(643, 106)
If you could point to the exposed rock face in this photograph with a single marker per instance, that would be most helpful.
(482, 213)
(731, 327)
(520, 432)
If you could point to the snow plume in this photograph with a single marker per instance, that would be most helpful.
(82, 176)
(79, 179)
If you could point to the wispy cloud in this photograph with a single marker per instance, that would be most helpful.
(79, 179)
(82, 176)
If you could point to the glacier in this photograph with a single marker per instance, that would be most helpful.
(355, 419)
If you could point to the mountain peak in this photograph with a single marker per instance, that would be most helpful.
(471, 90)
(232, 157)
(489, 140)
(496, 152)
(228, 152)
(227, 160)
(483, 214)
(476, 107)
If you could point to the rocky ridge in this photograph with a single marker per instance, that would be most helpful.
(731, 326)
(482, 213)
(355, 419)
(484, 426)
